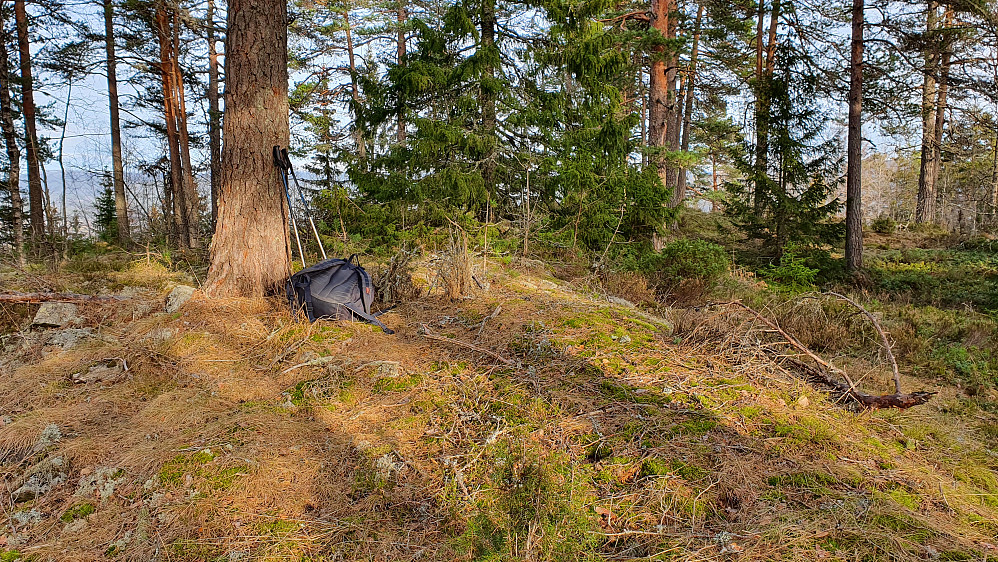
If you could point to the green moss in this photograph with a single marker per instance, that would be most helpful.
(814, 482)
(902, 525)
(657, 467)
(78, 512)
(905, 498)
(955, 555)
(397, 384)
(10, 556)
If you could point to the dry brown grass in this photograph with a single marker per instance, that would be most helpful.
(689, 445)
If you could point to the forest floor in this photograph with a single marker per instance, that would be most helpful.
(586, 430)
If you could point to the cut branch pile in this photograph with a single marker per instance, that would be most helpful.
(821, 372)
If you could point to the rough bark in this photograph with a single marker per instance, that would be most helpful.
(117, 167)
(214, 114)
(35, 195)
(765, 64)
(62, 170)
(251, 247)
(941, 105)
(680, 192)
(854, 166)
(926, 202)
(13, 152)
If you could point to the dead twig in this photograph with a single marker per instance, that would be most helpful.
(430, 335)
(883, 338)
(897, 400)
(34, 298)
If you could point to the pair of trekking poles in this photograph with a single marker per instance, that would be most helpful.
(283, 164)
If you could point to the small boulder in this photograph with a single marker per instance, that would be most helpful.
(109, 371)
(69, 338)
(178, 297)
(57, 315)
(42, 478)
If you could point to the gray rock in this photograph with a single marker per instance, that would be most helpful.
(28, 517)
(178, 297)
(42, 478)
(70, 338)
(109, 371)
(100, 482)
(50, 436)
(57, 314)
(621, 302)
(625, 339)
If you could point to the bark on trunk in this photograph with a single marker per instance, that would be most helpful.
(942, 91)
(680, 193)
(766, 62)
(191, 200)
(926, 203)
(13, 152)
(854, 170)
(164, 35)
(214, 114)
(35, 195)
(118, 170)
(62, 169)
(659, 90)
(251, 247)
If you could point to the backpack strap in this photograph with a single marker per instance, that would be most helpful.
(300, 292)
(370, 318)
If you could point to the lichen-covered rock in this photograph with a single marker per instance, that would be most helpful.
(100, 482)
(105, 372)
(41, 478)
(69, 338)
(57, 315)
(178, 297)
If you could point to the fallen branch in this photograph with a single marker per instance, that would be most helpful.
(897, 400)
(430, 335)
(34, 298)
(883, 338)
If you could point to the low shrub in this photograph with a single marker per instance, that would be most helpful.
(884, 225)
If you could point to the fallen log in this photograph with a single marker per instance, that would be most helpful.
(35, 298)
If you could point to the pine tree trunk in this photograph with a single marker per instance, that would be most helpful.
(854, 171)
(400, 59)
(214, 115)
(62, 169)
(942, 92)
(36, 196)
(658, 89)
(680, 193)
(191, 200)
(926, 203)
(762, 108)
(13, 152)
(118, 170)
(164, 36)
(251, 247)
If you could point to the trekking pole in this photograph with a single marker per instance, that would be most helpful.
(308, 212)
(287, 194)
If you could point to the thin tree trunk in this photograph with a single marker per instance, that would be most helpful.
(250, 252)
(36, 201)
(942, 92)
(172, 136)
(658, 89)
(925, 207)
(13, 152)
(118, 169)
(680, 193)
(854, 171)
(62, 171)
(764, 67)
(214, 115)
(358, 133)
(400, 58)
(488, 100)
(191, 203)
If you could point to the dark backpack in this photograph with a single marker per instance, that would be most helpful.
(336, 289)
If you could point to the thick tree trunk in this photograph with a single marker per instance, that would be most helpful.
(251, 247)
(214, 115)
(35, 195)
(358, 133)
(13, 152)
(680, 193)
(400, 59)
(118, 170)
(164, 36)
(854, 171)
(925, 207)
(765, 64)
